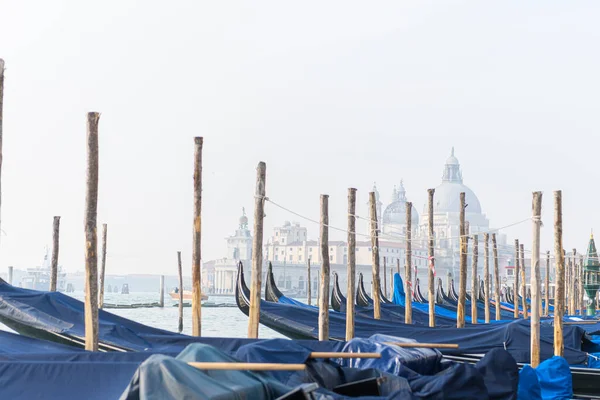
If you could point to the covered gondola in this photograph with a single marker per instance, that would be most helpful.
(363, 299)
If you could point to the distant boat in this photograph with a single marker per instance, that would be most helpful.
(38, 278)
(187, 295)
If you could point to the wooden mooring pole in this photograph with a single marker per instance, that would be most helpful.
(408, 266)
(474, 282)
(1, 119)
(351, 277)
(516, 284)
(535, 280)
(257, 244)
(462, 286)
(308, 284)
(197, 241)
(375, 255)
(523, 282)
(324, 286)
(91, 236)
(573, 284)
(559, 301)
(55, 247)
(547, 286)
(102, 267)
(161, 300)
(180, 274)
(385, 276)
(431, 280)
(486, 277)
(496, 277)
(582, 307)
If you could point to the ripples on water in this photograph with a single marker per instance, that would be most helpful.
(216, 321)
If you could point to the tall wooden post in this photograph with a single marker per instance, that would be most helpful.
(582, 306)
(547, 286)
(572, 284)
(10, 275)
(351, 278)
(257, 244)
(535, 280)
(161, 298)
(524, 282)
(1, 117)
(55, 243)
(102, 267)
(197, 241)
(91, 235)
(308, 284)
(392, 281)
(431, 280)
(324, 287)
(517, 272)
(486, 277)
(385, 276)
(408, 266)
(474, 282)
(375, 255)
(180, 273)
(462, 287)
(496, 277)
(559, 301)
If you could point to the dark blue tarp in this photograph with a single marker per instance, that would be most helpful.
(500, 374)
(12, 345)
(473, 339)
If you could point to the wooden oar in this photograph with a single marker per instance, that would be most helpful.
(318, 354)
(424, 345)
(242, 366)
(580, 322)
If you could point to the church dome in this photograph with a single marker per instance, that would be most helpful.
(447, 198)
(447, 195)
(395, 213)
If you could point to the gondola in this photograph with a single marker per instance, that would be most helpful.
(363, 299)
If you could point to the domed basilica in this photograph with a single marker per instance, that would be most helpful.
(446, 218)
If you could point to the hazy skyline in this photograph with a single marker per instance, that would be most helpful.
(330, 95)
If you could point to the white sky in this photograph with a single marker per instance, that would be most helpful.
(329, 94)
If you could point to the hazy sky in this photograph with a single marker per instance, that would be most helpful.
(329, 94)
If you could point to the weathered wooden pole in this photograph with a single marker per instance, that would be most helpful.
(392, 281)
(351, 278)
(102, 267)
(91, 235)
(547, 286)
(161, 300)
(408, 266)
(572, 284)
(474, 282)
(257, 244)
(10, 275)
(55, 246)
(516, 287)
(197, 242)
(559, 301)
(535, 280)
(180, 273)
(324, 287)
(385, 276)
(486, 277)
(582, 306)
(375, 255)
(462, 287)
(1, 118)
(496, 277)
(308, 288)
(431, 280)
(524, 282)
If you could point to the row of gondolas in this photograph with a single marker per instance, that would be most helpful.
(45, 359)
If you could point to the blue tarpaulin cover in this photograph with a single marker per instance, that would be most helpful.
(529, 385)
(555, 379)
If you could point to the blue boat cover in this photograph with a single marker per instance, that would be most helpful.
(529, 384)
(555, 379)
(473, 339)
(500, 374)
